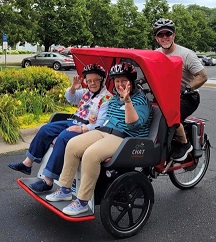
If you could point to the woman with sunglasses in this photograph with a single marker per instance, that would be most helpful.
(193, 77)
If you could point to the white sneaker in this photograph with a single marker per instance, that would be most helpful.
(59, 196)
(75, 208)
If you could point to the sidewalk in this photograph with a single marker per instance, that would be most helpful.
(28, 135)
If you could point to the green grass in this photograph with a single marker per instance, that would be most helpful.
(10, 65)
(28, 121)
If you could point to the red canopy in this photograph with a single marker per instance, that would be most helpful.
(163, 73)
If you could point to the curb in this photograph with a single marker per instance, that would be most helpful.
(210, 83)
(27, 134)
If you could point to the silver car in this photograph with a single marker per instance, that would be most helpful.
(54, 60)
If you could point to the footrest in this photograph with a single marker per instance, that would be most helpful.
(55, 207)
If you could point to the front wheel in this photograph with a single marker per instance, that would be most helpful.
(57, 66)
(127, 204)
(27, 63)
(188, 177)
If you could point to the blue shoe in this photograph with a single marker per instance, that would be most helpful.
(40, 186)
(59, 196)
(75, 208)
(20, 167)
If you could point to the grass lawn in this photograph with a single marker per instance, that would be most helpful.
(10, 65)
(29, 121)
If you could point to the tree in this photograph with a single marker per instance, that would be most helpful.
(74, 23)
(46, 22)
(206, 19)
(186, 27)
(100, 22)
(153, 10)
(133, 25)
(212, 25)
(61, 22)
(191, 28)
(13, 21)
(103, 23)
(141, 30)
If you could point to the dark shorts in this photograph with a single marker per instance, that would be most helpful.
(188, 104)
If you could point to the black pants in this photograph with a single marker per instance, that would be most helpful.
(188, 104)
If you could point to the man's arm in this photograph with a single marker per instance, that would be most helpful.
(199, 79)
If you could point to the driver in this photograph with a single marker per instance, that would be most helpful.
(129, 114)
(193, 77)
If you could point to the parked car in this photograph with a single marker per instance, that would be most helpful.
(54, 60)
(205, 60)
(213, 60)
(58, 48)
(66, 51)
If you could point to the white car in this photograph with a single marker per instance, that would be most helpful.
(205, 60)
(213, 60)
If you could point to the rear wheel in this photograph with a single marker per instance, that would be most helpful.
(127, 204)
(56, 66)
(188, 177)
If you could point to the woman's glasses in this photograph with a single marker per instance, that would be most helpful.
(167, 34)
(93, 81)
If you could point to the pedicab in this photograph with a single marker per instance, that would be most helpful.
(124, 190)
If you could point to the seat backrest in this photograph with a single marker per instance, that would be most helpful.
(142, 152)
(153, 131)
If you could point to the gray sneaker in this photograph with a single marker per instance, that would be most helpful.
(59, 196)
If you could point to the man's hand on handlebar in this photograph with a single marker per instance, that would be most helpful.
(186, 89)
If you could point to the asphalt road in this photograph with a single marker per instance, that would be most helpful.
(177, 216)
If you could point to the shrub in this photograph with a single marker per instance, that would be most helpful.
(15, 52)
(9, 127)
(34, 90)
(13, 80)
(41, 78)
(35, 102)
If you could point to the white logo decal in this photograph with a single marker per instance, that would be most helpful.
(139, 149)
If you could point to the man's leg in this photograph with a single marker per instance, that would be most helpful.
(183, 148)
(181, 134)
(189, 103)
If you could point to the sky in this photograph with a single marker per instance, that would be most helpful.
(206, 3)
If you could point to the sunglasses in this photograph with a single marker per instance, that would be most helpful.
(167, 34)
